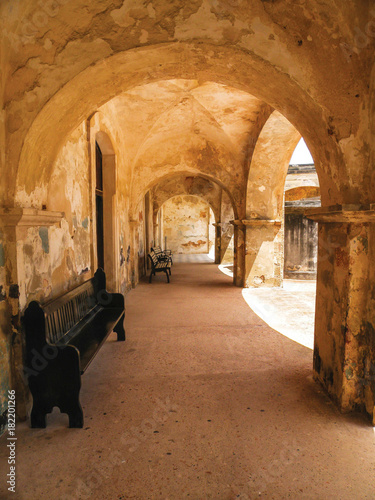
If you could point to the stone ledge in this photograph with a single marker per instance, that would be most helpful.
(261, 222)
(236, 223)
(256, 222)
(355, 214)
(11, 217)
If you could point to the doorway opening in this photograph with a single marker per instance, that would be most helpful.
(99, 206)
(187, 227)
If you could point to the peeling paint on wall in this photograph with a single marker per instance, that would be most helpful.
(2, 255)
(43, 233)
(185, 227)
(5, 349)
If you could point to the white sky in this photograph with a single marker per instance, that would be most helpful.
(301, 155)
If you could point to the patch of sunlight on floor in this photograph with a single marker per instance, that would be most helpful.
(289, 310)
(192, 258)
(227, 269)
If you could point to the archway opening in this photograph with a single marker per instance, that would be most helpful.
(301, 191)
(186, 226)
(290, 308)
(105, 207)
(99, 206)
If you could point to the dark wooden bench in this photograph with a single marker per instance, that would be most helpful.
(62, 338)
(158, 266)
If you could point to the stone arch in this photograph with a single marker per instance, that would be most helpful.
(269, 166)
(213, 192)
(199, 186)
(264, 202)
(165, 177)
(128, 69)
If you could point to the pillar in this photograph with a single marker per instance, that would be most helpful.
(344, 346)
(264, 256)
(217, 243)
(239, 253)
(134, 252)
(14, 224)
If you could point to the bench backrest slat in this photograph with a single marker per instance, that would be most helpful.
(153, 257)
(64, 312)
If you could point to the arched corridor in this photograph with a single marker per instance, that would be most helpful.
(109, 109)
(203, 400)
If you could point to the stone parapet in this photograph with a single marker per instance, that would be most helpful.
(355, 214)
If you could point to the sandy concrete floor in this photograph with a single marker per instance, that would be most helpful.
(290, 310)
(203, 400)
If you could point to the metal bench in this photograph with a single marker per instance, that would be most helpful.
(165, 255)
(62, 338)
(158, 265)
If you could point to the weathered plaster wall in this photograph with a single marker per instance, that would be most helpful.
(366, 377)
(149, 227)
(183, 184)
(125, 246)
(300, 246)
(227, 239)
(53, 259)
(42, 260)
(142, 255)
(343, 362)
(300, 234)
(186, 224)
(5, 337)
(301, 176)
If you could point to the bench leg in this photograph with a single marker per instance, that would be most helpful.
(150, 279)
(166, 272)
(38, 418)
(120, 330)
(75, 414)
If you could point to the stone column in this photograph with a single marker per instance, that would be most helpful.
(239, 253)
(217, 242)
(344, 348)
(134, 252)
(14, 224)
(155, 226)
(264, 253)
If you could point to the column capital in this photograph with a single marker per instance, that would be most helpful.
(349, 214)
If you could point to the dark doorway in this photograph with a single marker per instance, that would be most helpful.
(99, 207)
